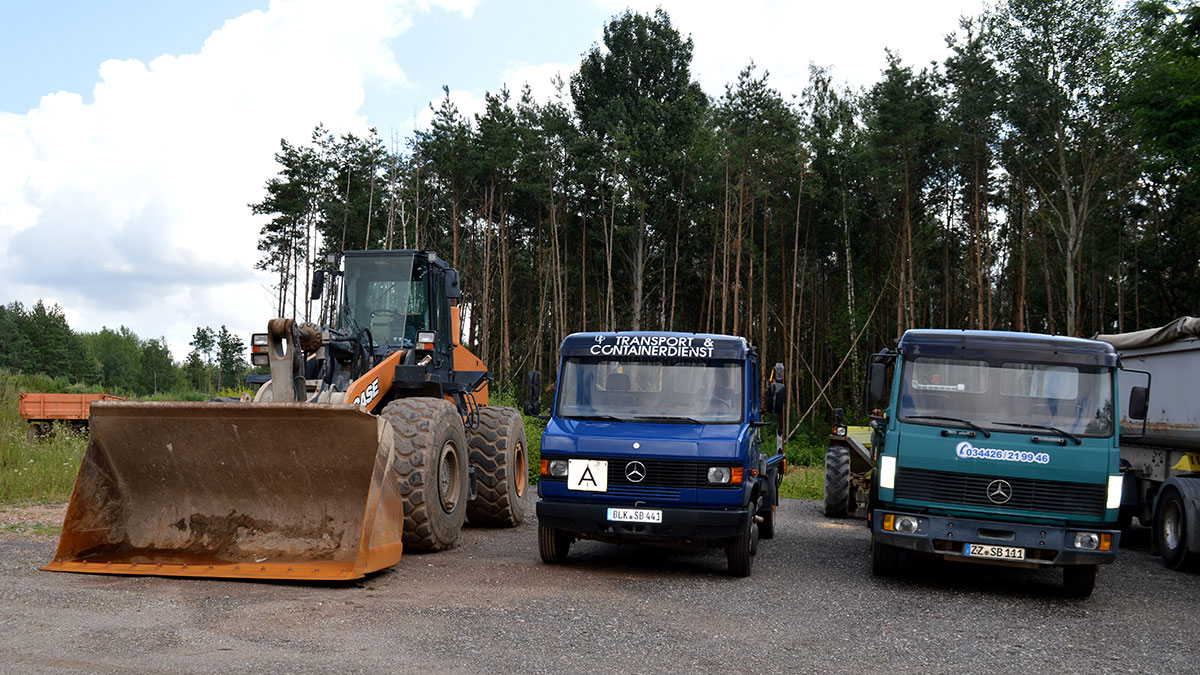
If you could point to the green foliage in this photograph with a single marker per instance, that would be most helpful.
(40, 469)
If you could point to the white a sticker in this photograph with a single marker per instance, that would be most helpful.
(590, 475)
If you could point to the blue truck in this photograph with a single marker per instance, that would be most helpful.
(654, 437)
(996, 447)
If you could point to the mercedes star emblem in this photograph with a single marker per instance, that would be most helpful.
(998, 491)
(635, 472)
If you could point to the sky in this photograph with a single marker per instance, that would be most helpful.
(133, 133)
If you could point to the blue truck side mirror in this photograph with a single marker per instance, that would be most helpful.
(533, 393)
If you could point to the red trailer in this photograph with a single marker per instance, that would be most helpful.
(42, 410)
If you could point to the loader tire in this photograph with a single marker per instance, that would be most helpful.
(837, 481)
(431, 467)
(498, 453)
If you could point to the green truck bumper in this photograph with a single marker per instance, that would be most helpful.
(1042, 545)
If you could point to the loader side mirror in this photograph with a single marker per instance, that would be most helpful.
(453, 288)
(876, 382)
(1139, 403)
(318, 284)
(533, 393)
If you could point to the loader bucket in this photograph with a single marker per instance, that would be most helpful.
(246, 490)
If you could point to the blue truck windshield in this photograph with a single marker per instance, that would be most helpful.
(654, 391)
(1077, 400)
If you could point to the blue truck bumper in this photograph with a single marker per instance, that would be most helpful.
(590, 521)
(1044, 545)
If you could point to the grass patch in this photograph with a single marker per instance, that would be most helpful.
(34, 529)
(39, 469)
(803, 482)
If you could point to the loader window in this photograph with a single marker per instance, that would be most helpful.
(652, 391)
(389, 295)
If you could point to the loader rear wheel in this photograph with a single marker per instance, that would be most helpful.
(501, 468)
(837, 481)
(431, 466)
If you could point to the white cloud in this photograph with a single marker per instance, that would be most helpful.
(132, 208)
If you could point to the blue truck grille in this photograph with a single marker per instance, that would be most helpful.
(1027, 494)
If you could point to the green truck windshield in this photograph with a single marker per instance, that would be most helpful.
(644, 390)
(997, 396)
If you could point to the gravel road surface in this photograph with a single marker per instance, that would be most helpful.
(490, 605)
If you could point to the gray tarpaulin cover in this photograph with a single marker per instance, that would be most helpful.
(1187, 326)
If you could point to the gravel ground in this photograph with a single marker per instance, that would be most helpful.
(489, 606)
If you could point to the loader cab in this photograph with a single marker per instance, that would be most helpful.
(396, 296)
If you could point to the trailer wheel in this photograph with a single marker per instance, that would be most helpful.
(501, 468)
(553, 545)
(431, 463)
(885, 559)
(1079, 580)
(739, 552)
(837, 481)
(1170, 530)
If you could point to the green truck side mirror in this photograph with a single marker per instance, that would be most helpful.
(876, 382)
(1139, 403)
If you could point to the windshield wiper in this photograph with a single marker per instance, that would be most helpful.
(601, 418)
(960, 420)
(668, 418)
(1044, 427)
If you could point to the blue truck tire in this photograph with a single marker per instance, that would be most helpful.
(553, 545)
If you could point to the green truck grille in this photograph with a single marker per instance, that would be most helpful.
(1028, 494)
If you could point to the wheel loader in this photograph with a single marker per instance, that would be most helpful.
(373, 434)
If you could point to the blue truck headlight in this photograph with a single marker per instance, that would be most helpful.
(718, 474)
(558, 467)
(1114, 492)
(1088, 541)
(887, 472)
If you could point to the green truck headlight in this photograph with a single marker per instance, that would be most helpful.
(887, 472)
(1088, 541)
(1114, 492)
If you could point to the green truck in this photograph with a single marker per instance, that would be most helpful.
(993, 447)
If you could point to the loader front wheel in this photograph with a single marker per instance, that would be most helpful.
(431, 466)
(501, 468)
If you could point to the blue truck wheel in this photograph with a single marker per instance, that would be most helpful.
(739, 552)
(553, 545)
